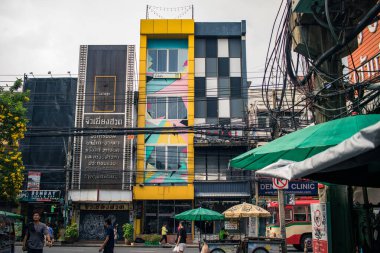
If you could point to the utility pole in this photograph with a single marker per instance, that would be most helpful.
(67, 185)
(280, 193)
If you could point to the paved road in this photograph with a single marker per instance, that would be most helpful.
(119, 250)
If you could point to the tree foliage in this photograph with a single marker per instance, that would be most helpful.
(12, 128)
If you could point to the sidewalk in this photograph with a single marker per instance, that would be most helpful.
(98, 243)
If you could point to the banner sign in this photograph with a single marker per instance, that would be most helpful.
(34, 178)
(231, 225)
(303, 188)
(115, 207)
(40, 196)
(319, 227)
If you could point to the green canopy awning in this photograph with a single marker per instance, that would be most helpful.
(11, 215)
(199, 214)
(304, 143)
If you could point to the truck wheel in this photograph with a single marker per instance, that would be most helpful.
(260, 250)
(309, 242)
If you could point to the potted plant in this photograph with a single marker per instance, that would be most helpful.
(152, 240)
(71, 233)
(128, 233)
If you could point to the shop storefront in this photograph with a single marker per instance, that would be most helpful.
(48, 203)
(219, 196)
(90, 208)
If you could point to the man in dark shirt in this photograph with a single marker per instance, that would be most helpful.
(181, 241)
(35, 236)
(109, 242)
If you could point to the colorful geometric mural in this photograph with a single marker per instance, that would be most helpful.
(166, 106)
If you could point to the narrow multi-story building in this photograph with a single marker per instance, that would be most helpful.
(193, 82)
(50, 111)
(101, 183)
(165, 159)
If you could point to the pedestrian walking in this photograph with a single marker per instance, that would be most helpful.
(109, 242)
(51, 233)
(164, 232)
(181, 238)
(35, 236)
(116, 235)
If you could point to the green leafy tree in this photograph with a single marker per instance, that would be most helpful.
(12, 128)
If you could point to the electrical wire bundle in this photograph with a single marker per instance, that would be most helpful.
(288, 72)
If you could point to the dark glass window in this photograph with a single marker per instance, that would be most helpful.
(235, 84)
(200, 48)
(162, 60)
(234, 46)
(200, 107)
(224, 87)
(236, 108)
(211, 67)
(152, 60)
(200, 87)
(182, 110)
(152, 107)
(211, 48)
(223, 67)
(172, 108)
(173, 60)
(212, 107)
(161, 108)
(160, 158)
(173, 161)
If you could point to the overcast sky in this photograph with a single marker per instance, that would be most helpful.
(44, 35)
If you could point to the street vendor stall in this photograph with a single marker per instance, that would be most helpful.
(246, 244)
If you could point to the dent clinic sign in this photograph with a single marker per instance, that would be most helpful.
(303, 188)
(366, 58)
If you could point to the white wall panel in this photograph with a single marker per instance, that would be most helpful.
(235, 67)
(211, 87)
(222, 47)
(224, 108)
(200, 67)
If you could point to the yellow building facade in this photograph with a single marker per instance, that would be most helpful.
(165, 157)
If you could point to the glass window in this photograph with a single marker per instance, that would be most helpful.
(161, 108)
(224, 87)
(200, 48)
(211, 67)
(200, 107)
(173, 161)
(234, 46)
(236, 108)
(200, 87)
(212, 107)
(182, 60)
(235, 84)
(223, 67)
(152, 60)
(299, 213)
(182, 110)
(160, 158)
(172, 108)
(211, 48)
(152, 107)
(166, 157)
(162, 61)
(173, 60)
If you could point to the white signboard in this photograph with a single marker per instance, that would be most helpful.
(319, 227)
(231, 225)
(252, 227)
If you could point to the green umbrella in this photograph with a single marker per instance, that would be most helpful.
(11, 215)
(304, 143)
(200, 214)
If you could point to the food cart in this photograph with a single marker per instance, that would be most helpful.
(246, 244)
